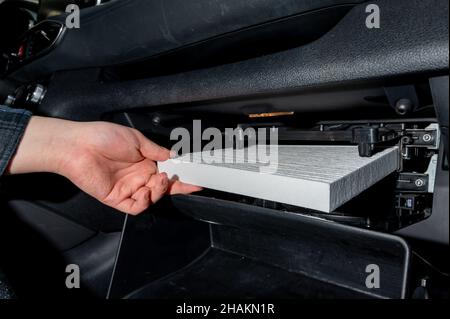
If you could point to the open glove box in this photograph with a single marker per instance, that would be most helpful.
(223, 249)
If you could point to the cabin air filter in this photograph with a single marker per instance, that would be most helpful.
(311, 176)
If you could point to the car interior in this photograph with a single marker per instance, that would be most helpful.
(312, 69)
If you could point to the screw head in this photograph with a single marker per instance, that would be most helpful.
(419, 182)
(403, 106)
(427, 137)
(156, 120)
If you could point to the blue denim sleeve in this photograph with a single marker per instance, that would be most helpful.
(12, 126)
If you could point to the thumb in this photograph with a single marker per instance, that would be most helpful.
(151, 150)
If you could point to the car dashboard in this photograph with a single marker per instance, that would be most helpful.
(313, 70)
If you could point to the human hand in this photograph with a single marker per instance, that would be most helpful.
(112, 163)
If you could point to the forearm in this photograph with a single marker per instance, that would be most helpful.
(44, 144)
(13, 123)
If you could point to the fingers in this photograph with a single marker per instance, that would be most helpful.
(139, 202)
(159, 184)
(177, 187)
(152, 150)
(145, 195)
(153, 191)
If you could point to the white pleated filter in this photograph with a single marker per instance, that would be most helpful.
(312, 176)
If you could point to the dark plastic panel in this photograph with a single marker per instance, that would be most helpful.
(320, 249)
(155, 244)
(413, 39)
(295, 256)
(440, 91)
(127, 30)
(96, 258)
(61, 232)
(220, 274)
